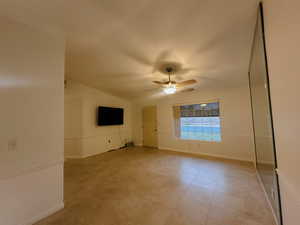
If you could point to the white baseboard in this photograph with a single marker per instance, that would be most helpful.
(45, 214)
(83, 156)
(92, 154)
(206, 154)
(267, 198)
(89, 154)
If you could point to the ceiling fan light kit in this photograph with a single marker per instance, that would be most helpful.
(170, 87)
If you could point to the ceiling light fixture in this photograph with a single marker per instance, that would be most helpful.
(171, 86)
(170, 89)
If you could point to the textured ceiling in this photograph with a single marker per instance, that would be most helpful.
(116, 46)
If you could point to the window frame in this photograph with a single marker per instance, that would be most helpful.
(195, 103)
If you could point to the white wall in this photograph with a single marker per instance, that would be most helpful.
(31, 131)
(237, 138)
(282, 38)
(82, 135)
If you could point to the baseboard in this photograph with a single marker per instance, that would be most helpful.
(92, 154)
(45, 214)
(88, 155)
(207, 155)
(267, 198)
(98, 153)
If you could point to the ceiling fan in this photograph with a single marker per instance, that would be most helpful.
(170, 87)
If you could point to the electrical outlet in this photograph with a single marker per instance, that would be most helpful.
(12, 145)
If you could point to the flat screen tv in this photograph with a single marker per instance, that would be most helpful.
(110, 116)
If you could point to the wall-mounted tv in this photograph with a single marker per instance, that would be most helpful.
(110, 116)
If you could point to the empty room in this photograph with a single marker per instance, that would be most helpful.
(149, 112)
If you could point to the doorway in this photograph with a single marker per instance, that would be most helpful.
(150, 126)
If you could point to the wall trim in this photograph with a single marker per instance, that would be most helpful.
(206, 154)
(98, 153)
(83, 156)
(45, 214)
(93, 154)
(267, 198)
(89, 155)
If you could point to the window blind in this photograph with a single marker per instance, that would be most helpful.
(197, 122)
(200, 110)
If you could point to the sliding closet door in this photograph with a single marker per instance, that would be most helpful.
(262, 118)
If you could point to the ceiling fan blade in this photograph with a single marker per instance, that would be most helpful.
(186, 83)
(160, 82)
(163, 82)
(188, 90)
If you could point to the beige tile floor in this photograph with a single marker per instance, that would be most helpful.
(141, 186)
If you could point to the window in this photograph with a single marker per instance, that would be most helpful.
(198, 122)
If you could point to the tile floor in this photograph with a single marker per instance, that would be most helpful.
(143, 186)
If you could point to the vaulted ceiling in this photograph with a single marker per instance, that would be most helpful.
(117, 46)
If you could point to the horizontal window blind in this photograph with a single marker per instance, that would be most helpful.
(200, 110)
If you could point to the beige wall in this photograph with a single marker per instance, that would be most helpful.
(73, 124)
(282, 38)
(82, 135)
(31, 131)
(137, 124)
(237, 142)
